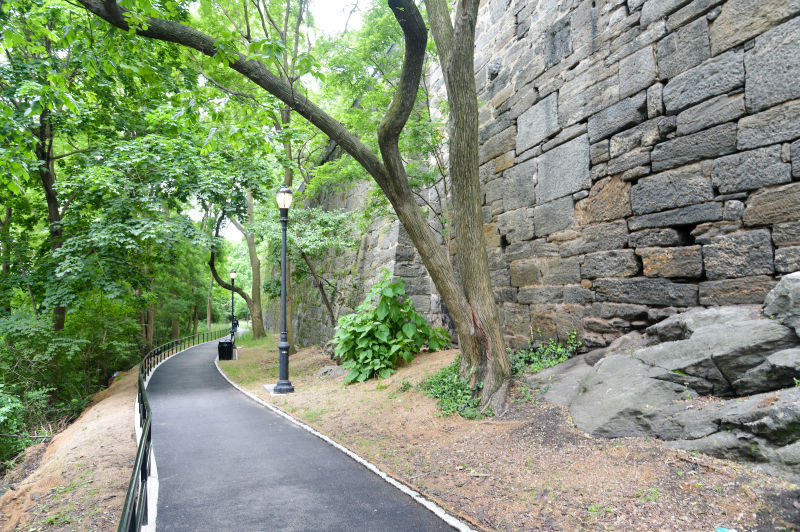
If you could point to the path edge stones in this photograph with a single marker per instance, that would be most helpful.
(437, 510)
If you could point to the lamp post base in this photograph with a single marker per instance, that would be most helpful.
(283, 387)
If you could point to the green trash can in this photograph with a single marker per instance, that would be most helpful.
(225, 350)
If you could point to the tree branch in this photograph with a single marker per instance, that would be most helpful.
(257, 72)
(217, 278)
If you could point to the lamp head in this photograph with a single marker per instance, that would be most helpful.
(284, 197)
(233, 274)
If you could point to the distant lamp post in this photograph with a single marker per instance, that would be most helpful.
(284, 199)
(233, 284)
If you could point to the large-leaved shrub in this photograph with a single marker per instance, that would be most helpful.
(383, 329)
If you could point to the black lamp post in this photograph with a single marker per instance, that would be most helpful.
(284, 199)
(233, 284)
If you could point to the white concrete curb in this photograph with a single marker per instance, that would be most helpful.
(430, 505)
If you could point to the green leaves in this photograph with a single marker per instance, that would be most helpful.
(454, 393)
(384, 328)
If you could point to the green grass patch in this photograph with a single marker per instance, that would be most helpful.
(454, 393)
(246, 340)
(247, 371)
(313, 414)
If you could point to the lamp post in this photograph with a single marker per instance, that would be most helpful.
(233, 284)
(284, 199)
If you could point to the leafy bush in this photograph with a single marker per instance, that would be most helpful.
(454, 393)
(546, 355)
(385, 327)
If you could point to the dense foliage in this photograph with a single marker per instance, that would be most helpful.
(382, 330)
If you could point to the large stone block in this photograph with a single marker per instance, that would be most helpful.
(786, 234)
(628, 112)
(787, 260)
(545, 271)
(539, 295)
(516, 324)
(597, 95)
(555, 321)
(518, 185)
(714, 76)
(653, 10)
(739, 255)
(637, 72)
(497, 145)
(648, 238)
(741, 20)
(516, 225)
(530, 249)
(777, 124)
(707, 144)
(685, 262)
(750, 170)
(772, 67)
(626, 311)
(645, 134)
(553, 216)
(616, 263)
(741, 291)
(638, 157)
(671, 189)
(693, 214)
(563, 170)
(683, 49)
(609, 199)
(773, 206)
(691, 11)
(653, 33)
(537, 123)
(646, 292)
(599, 237)
(717, 110)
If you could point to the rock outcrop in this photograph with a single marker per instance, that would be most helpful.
(724, 381)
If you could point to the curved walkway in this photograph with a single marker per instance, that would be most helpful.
(226, 463)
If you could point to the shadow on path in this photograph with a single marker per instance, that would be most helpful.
(226, 463)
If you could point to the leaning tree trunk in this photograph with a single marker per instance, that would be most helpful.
(478, 331)
(488, 360)
(255, 267)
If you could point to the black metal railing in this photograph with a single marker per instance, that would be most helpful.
(134, 513)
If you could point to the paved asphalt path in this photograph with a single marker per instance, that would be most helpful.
(226, 463)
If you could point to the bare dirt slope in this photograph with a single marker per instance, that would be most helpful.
(527, 470)
(77, 481)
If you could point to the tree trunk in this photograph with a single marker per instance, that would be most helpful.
(176, 329)
(255, 266)
(208, 304)
(488, 361)
(5, 246)
(478, 329)
(47, 175)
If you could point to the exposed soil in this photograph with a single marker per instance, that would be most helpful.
(529, 469)
(77, 481)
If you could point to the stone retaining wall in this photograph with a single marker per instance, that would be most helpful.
(636, 156)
